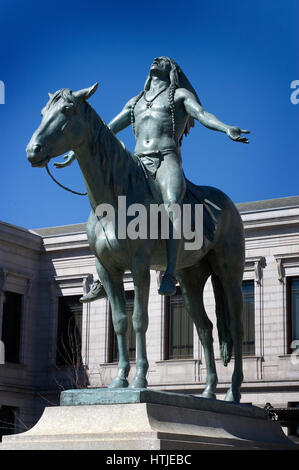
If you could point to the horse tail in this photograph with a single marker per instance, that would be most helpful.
(222, 314)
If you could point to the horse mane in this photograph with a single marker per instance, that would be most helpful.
(120, 168)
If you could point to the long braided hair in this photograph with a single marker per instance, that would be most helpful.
(177, 79)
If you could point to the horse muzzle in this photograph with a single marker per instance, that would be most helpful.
(36, 155)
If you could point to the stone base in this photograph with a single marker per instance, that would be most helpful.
(143, 419)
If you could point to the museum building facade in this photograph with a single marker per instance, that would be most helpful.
(53, 342)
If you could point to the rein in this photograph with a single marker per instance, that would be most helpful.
(61, 185)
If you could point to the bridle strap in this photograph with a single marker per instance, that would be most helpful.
(61, 185)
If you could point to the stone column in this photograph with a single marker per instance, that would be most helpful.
(87, 281)
(3, 276)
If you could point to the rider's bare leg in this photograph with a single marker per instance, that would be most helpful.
(171, 180)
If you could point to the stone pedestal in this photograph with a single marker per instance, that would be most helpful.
(143, 419)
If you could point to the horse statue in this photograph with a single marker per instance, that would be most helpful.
(109, 171)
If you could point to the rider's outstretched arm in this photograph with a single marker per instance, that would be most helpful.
(195, 110)
(123, 119)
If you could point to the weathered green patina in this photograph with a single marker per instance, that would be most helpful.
(100, 396)
(160, 114)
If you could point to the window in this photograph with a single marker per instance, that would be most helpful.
(69, 332)
(178, 327)
(248, 317)
(293, 419)
(131, 336)
(293, 314)
(7, 420)
(11, 326)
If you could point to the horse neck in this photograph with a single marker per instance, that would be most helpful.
(108, 169)
(90, 162)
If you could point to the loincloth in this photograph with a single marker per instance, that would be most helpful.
(151, 161)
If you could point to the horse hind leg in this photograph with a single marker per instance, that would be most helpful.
(192, 281)
(222, 314)
(232, 295)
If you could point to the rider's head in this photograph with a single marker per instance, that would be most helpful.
(160, 67)
(163, 66)
(177, 79)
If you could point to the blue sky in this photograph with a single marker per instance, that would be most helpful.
(239, 56)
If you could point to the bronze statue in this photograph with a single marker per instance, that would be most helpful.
(161, 114)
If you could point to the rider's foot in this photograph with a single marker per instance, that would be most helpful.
(168, 285)
(96, 292)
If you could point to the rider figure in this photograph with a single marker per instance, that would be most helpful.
(161, 114)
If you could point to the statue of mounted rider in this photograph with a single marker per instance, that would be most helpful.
(160, 115)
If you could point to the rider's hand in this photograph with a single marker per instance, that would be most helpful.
(234, 133)
(68, 160)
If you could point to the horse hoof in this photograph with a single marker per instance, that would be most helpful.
(168, 285)
(138, 382)
(118, 382)
(233, 397)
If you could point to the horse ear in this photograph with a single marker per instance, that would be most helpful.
(50, 95)
(86, 92)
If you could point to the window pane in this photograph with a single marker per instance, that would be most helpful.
(248, 317)
(69, 337)
(295, 308)
(7, 420)
(180, 329)
(11, 326)
(131, 336)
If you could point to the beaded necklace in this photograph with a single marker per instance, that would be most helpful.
(171, 93)
(149, 103)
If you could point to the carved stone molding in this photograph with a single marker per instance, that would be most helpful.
(255, 264)
(73, 280)
(8, 273)
(283, 261)
(280, 270)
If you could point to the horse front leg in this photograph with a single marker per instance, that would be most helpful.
(113, 284)
(141, 277)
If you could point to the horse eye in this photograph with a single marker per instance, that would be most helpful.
(67, 109)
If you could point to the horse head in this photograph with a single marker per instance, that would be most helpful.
(62, 128)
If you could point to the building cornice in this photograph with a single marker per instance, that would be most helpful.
(19, 237)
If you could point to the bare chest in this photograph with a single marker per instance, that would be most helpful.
(159, 110)
(149, 104)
